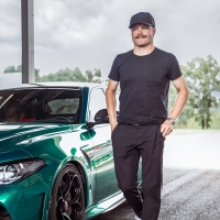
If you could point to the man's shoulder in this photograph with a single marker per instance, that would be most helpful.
(123, 56)
(167, 57)
(163, 52)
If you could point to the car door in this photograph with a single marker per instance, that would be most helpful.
(106, 183)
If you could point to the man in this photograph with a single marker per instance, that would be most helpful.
(15, 112)
(143, 123)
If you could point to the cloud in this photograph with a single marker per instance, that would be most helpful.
(66, 23)
(89, 34)
(10, 28)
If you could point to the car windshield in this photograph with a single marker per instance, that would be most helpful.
(40, 105)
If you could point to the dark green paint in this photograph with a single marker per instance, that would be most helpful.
(56, 144)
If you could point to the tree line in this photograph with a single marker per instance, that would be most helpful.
(66, 74)
(202, 77)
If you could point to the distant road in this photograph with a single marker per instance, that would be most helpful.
(191, 188)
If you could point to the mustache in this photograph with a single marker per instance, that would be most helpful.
(140, 36)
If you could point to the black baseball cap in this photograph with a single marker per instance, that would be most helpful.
(142, 18)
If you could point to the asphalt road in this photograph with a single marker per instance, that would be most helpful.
(191, 186)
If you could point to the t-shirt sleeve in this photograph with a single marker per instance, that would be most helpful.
(173, 68)
(114, 73)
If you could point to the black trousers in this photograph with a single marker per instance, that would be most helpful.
(129, 144)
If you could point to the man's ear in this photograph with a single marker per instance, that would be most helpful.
(154, 30)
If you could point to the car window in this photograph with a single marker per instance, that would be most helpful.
(96, 103)
(40, 104)
(117, 102)
(63, 105)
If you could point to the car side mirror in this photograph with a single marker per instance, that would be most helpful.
(102, 116)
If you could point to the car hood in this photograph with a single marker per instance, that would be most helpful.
(26, 133)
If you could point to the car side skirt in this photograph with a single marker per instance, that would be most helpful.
(105, 205)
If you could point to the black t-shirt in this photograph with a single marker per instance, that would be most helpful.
(144, 82)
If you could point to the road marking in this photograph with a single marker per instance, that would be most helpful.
(173, 185)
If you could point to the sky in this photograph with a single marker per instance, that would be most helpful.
(89, 34)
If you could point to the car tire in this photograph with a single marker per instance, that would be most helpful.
(4, 215)
(67, 200)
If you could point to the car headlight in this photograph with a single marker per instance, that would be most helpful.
(12, 172)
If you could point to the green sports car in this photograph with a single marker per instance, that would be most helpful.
(56, 158)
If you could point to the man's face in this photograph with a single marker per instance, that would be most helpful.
(142, 35)
(12, 115)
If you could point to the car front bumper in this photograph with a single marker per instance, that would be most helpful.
(26, 199)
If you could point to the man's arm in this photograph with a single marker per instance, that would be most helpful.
(111, 102)
(183, 93)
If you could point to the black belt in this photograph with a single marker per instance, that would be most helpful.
(133, 124)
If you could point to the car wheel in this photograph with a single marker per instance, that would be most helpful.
(67, 200)
(4, 215)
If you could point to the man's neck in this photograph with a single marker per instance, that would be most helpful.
(141, 51)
